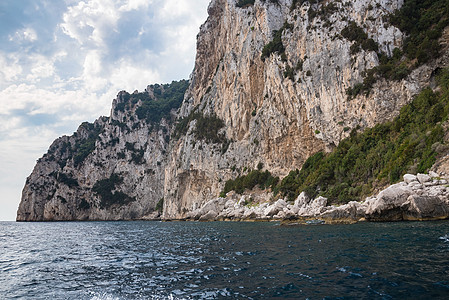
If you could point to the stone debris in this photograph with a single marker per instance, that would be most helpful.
(418, 197)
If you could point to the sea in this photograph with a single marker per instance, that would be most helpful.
(223, 260)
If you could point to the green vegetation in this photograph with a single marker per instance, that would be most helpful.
(137, 156)
(166, 98)
(324, 11)
(67, 180)
(378, 156)
(256, 177)
(276, 45)
(289, 73)
(296, 3)
(85, 147)
(105, 189)
(160, 205)
(244, 3)
(207, 128)
(62, 199)
(356, 34)
(83, 205)
(423, 22)
(367, 161)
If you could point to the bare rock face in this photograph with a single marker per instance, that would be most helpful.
(244, 106)
(112, 169)
(281, 108)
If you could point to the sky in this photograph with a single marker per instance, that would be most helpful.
(62, 62)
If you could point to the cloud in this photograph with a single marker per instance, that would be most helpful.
(9, 68)
(90, 21)
(129, 74)
(41, 67)
(92, 73)
(62, 102)
(134, 5)
(25, 34)
(63, 62)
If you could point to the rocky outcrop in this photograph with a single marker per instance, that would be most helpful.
(112, 169)
(418, 197)
(280, 109)
(243, 107)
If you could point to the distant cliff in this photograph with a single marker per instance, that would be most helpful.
(274, 82)
(112, 169)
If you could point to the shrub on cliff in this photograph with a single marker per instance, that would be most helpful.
(160, 206)
(67, 180)
(378, 156)
(168, 97)
(152, 109)
(244, 3)
(84, 147)
(256, 177)
(106, 190)
(366, 161)
(276, 45)
(207, 128)
(423, 22)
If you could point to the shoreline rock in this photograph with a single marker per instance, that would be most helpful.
(418, 197)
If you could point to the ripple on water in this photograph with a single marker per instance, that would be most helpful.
(150, 260)
(445, 238)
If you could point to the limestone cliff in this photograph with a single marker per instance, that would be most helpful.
(246, 105)
(112, 169)
(280, 109)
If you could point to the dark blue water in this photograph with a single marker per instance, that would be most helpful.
(153, 260)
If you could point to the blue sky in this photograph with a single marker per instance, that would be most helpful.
(63, 62)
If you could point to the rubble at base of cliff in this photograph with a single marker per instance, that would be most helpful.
(419, 197)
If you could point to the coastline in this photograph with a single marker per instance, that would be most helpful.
(421, 197)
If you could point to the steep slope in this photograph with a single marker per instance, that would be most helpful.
(275, 81)
(277, 73)
(112, 169)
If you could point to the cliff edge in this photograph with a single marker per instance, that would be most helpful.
(275, 81)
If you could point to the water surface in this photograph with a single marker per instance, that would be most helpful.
(188, 260)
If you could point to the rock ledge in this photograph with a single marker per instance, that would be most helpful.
(418, 197)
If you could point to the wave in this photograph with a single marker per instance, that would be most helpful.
(445, 238)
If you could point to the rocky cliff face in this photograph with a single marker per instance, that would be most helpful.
(280, 109)
(246, 104)
(112, 169)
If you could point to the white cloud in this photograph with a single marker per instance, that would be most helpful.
(74, 70)
(174, 9)
(42, 67)
(7, 123)
(24, 34)
(93, 77)
(61, 103)
(90, 21)
(9, 68)
(130, 76)
(135, 4)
